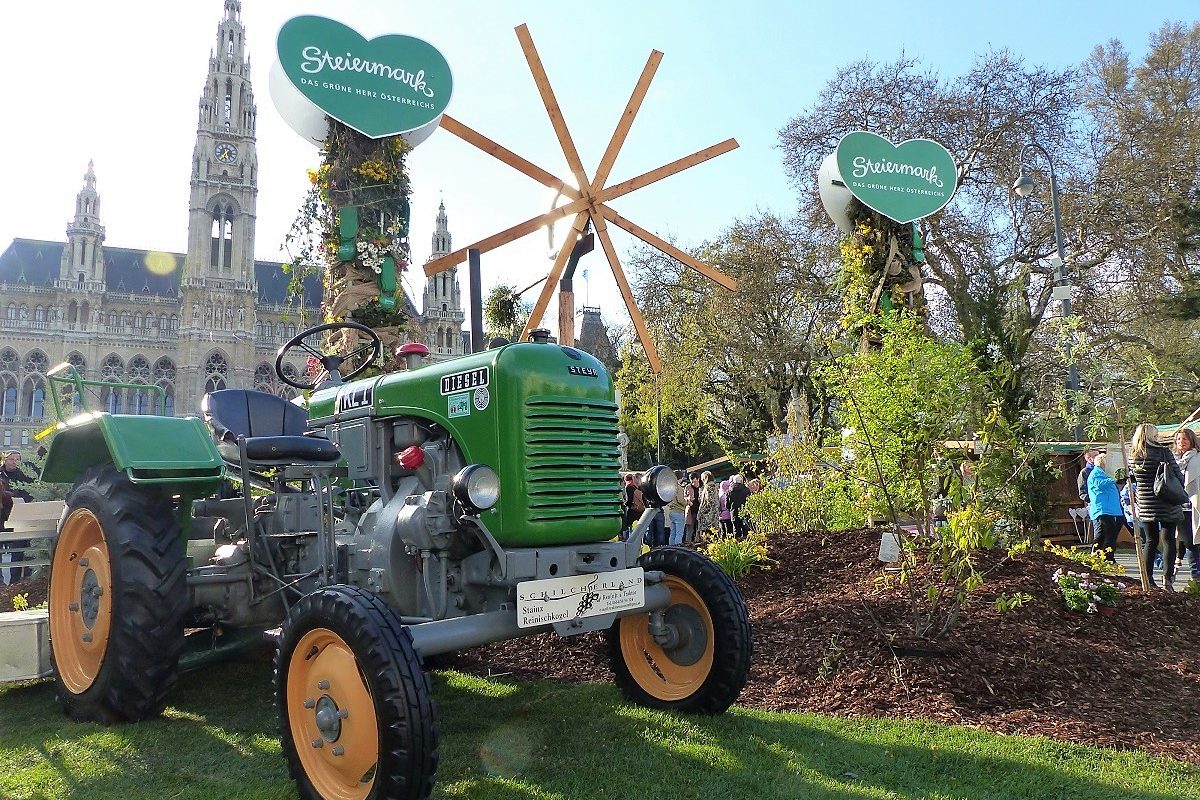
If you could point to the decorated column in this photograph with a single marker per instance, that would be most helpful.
(366, 104)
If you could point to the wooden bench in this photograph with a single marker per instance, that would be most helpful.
(32, 521)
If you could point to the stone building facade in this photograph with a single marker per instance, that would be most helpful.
(209, 318)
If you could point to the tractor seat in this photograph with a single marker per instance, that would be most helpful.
(273, 428)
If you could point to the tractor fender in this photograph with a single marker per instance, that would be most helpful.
(148, 449)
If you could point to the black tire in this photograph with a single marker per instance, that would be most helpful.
(125, 674)
(351, 621)
(694, 675)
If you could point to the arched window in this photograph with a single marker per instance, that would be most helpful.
(8, 401)
(39, 314)
(113, 368)
(170, 401)
(37, 361)
(9, 360)
(35, 398)
(216, 371)
(85, 312)
(77, 360)
(264, 378)
(72, 312)
(139, 370)
(112, 401)
(12, 311)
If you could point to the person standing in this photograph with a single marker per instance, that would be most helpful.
(738, 494)
(1187, 452)
(707, 519)
(1158, 516)
(724, 519)
(1104, 507)
(692, 501)
(630, 514)
(677, 509)
(1081, 480)
(11, 480)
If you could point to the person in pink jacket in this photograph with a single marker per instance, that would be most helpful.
(724, 515)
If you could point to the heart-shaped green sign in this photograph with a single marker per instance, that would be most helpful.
(903, 182)
(389, 85)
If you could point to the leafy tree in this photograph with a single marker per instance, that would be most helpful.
(983, 290)
(504, 312)
(742, 360)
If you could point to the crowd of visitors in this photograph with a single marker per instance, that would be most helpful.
(1163, 501)
(701, 507)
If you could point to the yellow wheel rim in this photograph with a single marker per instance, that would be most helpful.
(651, 666)
(332, 717)
(80, 601)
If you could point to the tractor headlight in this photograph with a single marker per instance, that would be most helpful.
(659, 485)
(477, 487)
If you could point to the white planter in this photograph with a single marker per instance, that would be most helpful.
(24, 645)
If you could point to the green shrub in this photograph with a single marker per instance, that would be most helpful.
(739, 556)
(1095, 561)
(1084, 592)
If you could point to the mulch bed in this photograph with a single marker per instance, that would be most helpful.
(821, 644)
(820, 621)
(35, 590)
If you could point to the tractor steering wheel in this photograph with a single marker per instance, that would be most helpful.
(331, 363)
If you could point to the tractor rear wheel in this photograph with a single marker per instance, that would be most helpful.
(356, 715)
(700, 661)
(117, 599)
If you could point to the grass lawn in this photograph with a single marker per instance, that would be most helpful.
(501, 740)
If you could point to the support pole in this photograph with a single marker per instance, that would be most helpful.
(477, 344)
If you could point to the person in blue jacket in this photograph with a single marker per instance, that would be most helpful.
(1105, 507)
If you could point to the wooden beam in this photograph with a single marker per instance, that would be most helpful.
(552, 107)
(626, 121)
(504, 237)
(635, 314)
(647, 178)
(502, 153)
(566, 317)
(560, 263)
(649, 238)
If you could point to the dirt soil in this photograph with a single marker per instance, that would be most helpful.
(821, 644)
(34, 588)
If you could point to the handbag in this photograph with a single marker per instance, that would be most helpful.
(1167, 487)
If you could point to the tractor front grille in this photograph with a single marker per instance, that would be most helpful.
(572, 462)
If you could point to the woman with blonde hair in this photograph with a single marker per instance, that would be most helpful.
(1187, 453)
(1157, 515)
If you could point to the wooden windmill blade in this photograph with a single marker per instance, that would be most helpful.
(542, 81)
(626, 122)
(588, 201)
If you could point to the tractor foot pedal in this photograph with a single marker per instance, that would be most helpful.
(271, 636)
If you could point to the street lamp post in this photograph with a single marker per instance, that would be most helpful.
(1025, 186)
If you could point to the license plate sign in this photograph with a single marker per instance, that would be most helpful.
(564, 599)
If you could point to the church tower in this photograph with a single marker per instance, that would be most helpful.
(444, 313)
(218, 291)
(224, 183)
(82, 264)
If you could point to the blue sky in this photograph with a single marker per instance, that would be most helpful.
(118, 82)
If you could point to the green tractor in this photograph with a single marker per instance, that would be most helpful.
(393, 518)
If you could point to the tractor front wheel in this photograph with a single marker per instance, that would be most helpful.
(356, 715)
(698, 658)
(117, 599)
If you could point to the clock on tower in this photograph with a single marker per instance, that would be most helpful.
(225, 153)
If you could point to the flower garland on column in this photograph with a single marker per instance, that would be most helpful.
(881, 270)
(352, 229)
